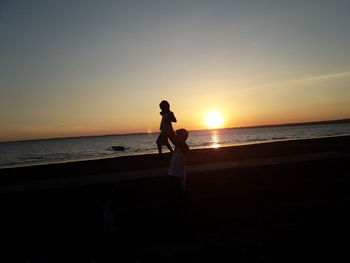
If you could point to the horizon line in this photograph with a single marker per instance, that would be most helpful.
(337, 121)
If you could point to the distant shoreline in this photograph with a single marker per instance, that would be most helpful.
(340, 121)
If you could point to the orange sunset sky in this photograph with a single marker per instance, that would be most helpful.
(77, 68)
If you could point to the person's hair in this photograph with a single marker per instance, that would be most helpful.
(183, 132)
(164, 105)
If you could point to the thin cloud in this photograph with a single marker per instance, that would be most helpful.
(255, 44)
(312, 78)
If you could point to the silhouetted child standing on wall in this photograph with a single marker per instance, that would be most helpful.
(166, 128)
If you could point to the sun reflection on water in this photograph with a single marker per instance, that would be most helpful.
(215, 145)
(215, 140)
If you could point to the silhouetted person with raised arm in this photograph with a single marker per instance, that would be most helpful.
(178, 160)
(166, 128)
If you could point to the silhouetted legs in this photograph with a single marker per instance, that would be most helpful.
(160, 150)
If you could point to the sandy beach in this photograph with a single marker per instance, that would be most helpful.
(278, 201)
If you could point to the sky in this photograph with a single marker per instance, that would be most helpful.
(78, 68)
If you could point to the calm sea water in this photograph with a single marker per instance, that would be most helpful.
(34, 152)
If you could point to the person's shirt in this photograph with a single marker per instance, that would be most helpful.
(165, 124)
(178, 160)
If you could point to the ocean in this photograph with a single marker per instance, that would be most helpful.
(35, 152)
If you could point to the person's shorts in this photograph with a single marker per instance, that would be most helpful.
(163, 138)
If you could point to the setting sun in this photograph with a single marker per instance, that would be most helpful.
(214, 119)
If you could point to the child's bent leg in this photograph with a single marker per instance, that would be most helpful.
(159, 148)
(171, 137)
(169, 147)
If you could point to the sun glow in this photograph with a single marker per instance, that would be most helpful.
(214, 119)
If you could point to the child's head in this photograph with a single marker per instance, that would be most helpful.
(182, 135)
(164, 105)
